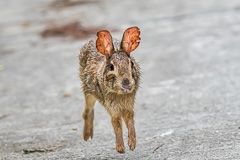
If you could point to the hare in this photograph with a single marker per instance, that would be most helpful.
(110, 75)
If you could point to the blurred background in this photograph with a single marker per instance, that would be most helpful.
(188, 106)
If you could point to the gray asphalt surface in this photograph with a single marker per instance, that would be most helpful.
(187, 108)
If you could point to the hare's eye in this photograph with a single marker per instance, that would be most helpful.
(111, 67)
(132, 63)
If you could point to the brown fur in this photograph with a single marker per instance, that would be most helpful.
(100, 83)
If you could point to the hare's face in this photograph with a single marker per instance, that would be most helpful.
(120, 73)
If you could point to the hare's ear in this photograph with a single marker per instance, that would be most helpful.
(104, 43)
(130, 40)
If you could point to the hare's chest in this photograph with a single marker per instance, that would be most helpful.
(116, 104)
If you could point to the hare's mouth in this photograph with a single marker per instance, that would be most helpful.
(126, 89)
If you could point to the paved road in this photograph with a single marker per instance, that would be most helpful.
(187, 108)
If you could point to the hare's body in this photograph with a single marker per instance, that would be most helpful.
(113, 81)
(91, 73)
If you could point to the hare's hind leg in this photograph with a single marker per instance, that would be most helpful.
(88, 116)
(128, 117)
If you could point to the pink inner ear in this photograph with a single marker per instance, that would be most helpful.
(131, 39)
(108, 44)
(104, 43)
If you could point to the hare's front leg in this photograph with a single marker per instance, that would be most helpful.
(88, 116)
(117, 126)
(128, 118)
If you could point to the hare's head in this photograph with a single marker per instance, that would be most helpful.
(121, 72)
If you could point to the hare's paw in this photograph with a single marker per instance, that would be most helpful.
(132, 143)
(120, 148)
(87, 131)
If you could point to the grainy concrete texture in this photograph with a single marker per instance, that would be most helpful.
(187, 108)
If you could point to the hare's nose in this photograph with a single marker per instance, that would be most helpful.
(125, 82)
